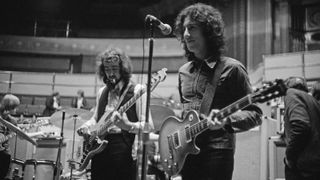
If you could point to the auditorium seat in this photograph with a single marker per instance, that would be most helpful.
(65, 101)
(35, 109)
(91, 102)
(26, 99)
(39, 100)
(21, 109)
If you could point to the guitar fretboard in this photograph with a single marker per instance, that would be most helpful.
(128, 104)
(125, 107)
(201, 126)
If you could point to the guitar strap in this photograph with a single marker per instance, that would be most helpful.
(122, 95)
(104, 100)
(209, 93)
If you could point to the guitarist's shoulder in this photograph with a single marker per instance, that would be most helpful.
(231, 61)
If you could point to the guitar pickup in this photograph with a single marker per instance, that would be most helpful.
(188, 135)
(176, 140)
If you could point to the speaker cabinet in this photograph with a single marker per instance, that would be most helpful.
(313, 37)
(312, 22)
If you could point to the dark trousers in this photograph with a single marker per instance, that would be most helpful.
(295, 174)
(5, 160)
(214, 164)
(114, 162)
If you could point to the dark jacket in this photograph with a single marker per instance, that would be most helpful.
(233, 84)
(49, 110)
(74, 103)
(302, 130)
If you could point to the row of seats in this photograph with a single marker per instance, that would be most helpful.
(31, 105)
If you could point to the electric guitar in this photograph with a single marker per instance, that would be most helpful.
(176, 137)
(94, 142)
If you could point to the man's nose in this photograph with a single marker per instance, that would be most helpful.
(186, 33)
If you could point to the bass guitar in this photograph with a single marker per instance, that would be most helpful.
(94, 142)
(176, 137)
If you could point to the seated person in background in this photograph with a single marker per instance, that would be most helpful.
(8, 106)
(80, 101)
(52, 104)
(302, 132)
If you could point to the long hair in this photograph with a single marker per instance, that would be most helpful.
(125, 64)
(211, 23)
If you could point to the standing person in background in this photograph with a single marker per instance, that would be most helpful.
(79, 102)
(200, 28)
(52, 104)
(116, 161)
(302, 132)
(7, 107)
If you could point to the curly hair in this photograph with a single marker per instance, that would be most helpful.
(211, 23)
(125, 64)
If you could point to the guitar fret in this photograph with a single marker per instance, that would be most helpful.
(234, 107)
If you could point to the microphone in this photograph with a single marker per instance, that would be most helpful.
(165, 28)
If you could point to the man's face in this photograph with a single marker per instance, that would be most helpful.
(112, 68)
(194, 38)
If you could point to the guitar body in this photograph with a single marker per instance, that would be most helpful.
(91, 148)
(175, 144)
(176, 137)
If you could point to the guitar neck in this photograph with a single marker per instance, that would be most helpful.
(128, 104)
(106, 118)
(201, 126)
(122, 109)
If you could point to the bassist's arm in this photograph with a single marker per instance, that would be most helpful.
(136, 127)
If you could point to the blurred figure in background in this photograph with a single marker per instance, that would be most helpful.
(52, 104)
(315, 90)
(8, 106)
(302, 132)
(80, 101)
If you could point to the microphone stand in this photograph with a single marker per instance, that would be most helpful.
(146, 130)
(57, 167)
(73, 141)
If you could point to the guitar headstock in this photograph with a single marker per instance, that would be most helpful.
(269, 91)
(161, 74)
(158, 77)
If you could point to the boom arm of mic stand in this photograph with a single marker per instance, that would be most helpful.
(56, 172)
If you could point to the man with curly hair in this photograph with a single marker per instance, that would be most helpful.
(200, 28)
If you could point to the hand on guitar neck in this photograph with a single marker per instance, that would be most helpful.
(213, 122)
(122, 121)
